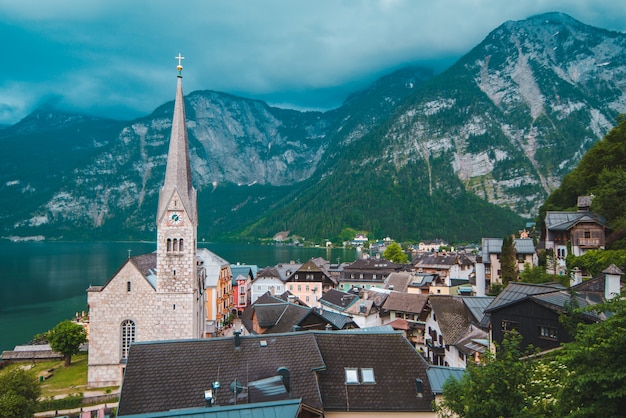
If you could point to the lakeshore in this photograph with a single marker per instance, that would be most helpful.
(45, 282)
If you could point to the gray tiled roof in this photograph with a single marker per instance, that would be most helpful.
(438, 375)
(494, 246)
(477, 305)
(338, 299)
(562, 221)
(516, 291)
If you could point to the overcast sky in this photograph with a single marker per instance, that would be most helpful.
(115, 58)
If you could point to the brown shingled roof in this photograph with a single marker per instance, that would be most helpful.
(405, 302)
(168, 375)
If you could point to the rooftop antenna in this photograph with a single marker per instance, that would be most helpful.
(129, 250)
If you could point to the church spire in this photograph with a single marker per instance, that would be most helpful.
(178, 171)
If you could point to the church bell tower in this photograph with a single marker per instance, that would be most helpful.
(177, 221)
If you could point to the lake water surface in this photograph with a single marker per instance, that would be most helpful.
(43, 283)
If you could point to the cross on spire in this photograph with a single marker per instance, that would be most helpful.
(179, 67)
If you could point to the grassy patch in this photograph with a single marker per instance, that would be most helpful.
(62, 381)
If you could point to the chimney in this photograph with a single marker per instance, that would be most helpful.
(612, 281)
(577, 277)
(285, 376)
(237, 340)
(481, 281)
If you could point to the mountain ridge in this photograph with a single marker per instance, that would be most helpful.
(488, 139)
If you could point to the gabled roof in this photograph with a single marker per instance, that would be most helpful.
(516, 291)
(476, 306)
(337, 320)
(173, 375)
(438, 375)
(394, 375)
(494, 246)
(561, 301)
(213, 264)
(145, 264)
(244, 270)
(271, 272)
(399, 281)
(374, 264)
(162, 376)
(405, 302)
(338, 299)
(451, 315)
(443, 260)
(563, 221)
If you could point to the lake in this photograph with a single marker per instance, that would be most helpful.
(43, 283)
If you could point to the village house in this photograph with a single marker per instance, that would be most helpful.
(431, 246)
(452, 335)
(415, 283)
(243, 275)
(219, 291)
(534, 310)
(309, 282)
(267, 280)
(488, 264)
(579, 231)
(359, 240)
(271, 315)
(448, 265)
(330, 374)
(407, 312)
(366, 273)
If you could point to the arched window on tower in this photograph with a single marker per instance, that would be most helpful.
(169, 245)
(128, 337)
(180, 245)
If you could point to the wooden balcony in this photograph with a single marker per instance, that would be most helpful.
(588, 242)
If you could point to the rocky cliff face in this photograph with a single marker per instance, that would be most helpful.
(517, 112)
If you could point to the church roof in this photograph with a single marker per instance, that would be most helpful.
(178, 171)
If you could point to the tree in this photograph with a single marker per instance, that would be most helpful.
(500, 387)
(66, 338)
(508, 260)
(596, 365)
(394, 253)
(19, 391)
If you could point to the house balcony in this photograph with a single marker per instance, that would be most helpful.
(588, 242)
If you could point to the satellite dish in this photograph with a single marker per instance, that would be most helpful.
(236, 387)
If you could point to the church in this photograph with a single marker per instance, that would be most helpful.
(157, 296)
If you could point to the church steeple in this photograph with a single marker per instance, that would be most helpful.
(177, 214)
(178, 171)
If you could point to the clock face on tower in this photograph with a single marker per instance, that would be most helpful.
(175, 218)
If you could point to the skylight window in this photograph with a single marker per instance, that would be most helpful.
(367, 376)
(352, 376)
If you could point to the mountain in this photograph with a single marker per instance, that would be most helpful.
(503, 124)
(466, 153)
